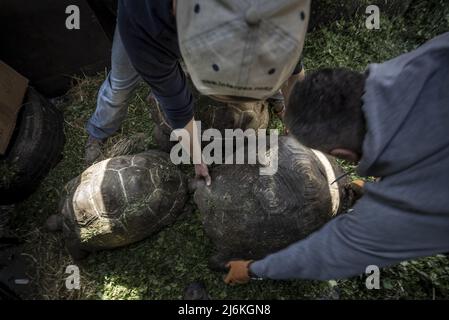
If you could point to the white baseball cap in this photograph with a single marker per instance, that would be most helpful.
(241, 48)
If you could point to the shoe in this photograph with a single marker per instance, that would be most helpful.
(93, 150)
(277, 103)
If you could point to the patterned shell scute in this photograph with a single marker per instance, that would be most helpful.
(123, 199)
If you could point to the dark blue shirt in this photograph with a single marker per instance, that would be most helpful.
(148, 32)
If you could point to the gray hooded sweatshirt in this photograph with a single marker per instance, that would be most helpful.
(406, 214)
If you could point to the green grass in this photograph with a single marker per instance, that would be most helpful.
(163, 265)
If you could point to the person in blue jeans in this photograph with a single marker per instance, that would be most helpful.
(233, 52)
(112, 100)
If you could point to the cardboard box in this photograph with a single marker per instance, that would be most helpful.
(13, 87)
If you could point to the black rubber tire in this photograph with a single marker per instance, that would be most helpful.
(35, 148)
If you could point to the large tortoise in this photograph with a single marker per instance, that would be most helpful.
(120, 201)
(212, 114)
(248, 215)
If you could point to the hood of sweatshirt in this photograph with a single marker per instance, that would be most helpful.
(406, 107)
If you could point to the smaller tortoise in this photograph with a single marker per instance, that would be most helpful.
(120, 201)
(247, 215)
(212, 114)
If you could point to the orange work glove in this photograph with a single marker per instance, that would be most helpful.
(358, 183)
(238, 272)
(357, 187)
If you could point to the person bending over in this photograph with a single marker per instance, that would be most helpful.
(233, 51)
(394, 121)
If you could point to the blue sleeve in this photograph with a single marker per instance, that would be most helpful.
(374, 233)
(153, 50)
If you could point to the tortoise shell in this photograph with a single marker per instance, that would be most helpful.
(247, 215)
(122, 200)
(212, 114)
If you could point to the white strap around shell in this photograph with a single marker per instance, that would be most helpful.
(332, 184)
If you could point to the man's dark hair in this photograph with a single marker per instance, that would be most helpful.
(324, 111)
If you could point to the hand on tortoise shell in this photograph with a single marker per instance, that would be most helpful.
(202, 172)
(238, 272)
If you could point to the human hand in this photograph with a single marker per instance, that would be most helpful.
(202, 172)
(238, 272)
(357, 187)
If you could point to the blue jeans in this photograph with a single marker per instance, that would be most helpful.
(114, 94)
